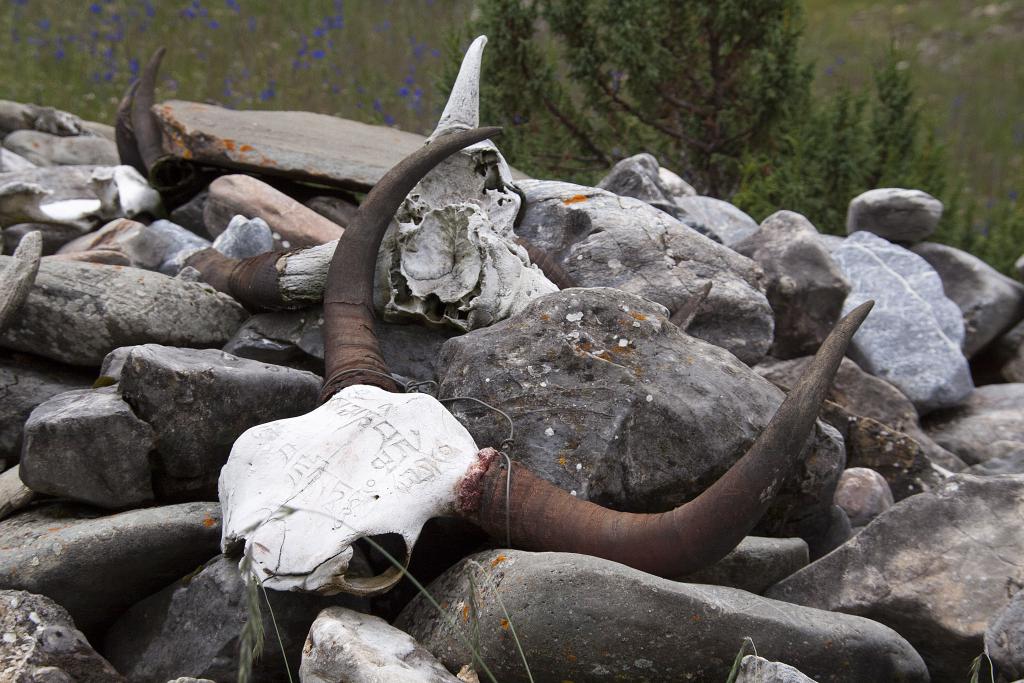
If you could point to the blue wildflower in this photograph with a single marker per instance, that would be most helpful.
(403, 92)
(318, 54)
(95, 8)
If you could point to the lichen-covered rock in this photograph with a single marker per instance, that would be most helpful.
(896, 214)
(935, 567)
(344, 645)
(97, 566)
(603, 240)
(192, 627)
(1004, 639)
(612, 401)
(198, 401)
(88, 445)
(571, 614)
(913, 336)
(77, 313)
(864, 494)
(41, 644)
(991, 414)
(991, 303)
(806, 288)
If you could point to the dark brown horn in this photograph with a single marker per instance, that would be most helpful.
(144, 124)
(350, 344)
(124, 134)
(541, 516)
(685, 314)
(252, 282)
(551, 268)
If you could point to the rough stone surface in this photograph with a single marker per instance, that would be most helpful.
(54, 236)
(338, 210)
(806, 288)
(88, 446)
(878, 404)
(224, 395)
(913, 336)
(25, 382)
(21, 116)
(45, 149)
(161, 245)
(896, 214)
(755, 564)
(934, 567)
(192, 628)
(77, 313)
(604, 240)
(562, 606)
(991, 303)
(677, 187)
(96, 566)
(12, 163)
(38, 634)
(991, 414)
(1008, 459)
(638, 177)
(611, 400)
(1004, 639)
(754, 669)
(864, 494)
(14, 495)
(344, 645)
(244, 238)
(731, 224)
(190, 215)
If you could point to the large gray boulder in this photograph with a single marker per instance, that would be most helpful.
(729, 222)
(198, 401)
(77, 313)
(806, 288)
(604, 240)
(585, 619)
(991, 303)
(755, 564)
(41, 643)
(46, 149)
(1004, 639)
(935, 567)
(611, 401)
(25, 382)
(913, 336)
(987, 423)
(896, 214)
(97, 566)
(88, 445)
(192, 628)
(344, 645)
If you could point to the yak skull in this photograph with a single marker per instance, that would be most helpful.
(452, 258)
(299, 492)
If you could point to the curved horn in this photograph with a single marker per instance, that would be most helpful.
(552, 269)
(144, 124)
(124, 134)
(350, 343)
(462, 111)
(542, 516)
(17, 278)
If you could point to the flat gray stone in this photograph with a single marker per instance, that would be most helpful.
(97, 566)
(297, 144)
(991, 414)
(344, 645)
(588, 620)
(88, 445)
(41, 643)
(935, 567)
(198, 401)
(755, 564)
(805, 286)
(192, 628)
(614, 402)
(603, 240)
(45, 149)
(729, 222)
(912, 337)
(638, 176)
(25, 382)
(991, 303)
(161, 245)
(754, 669)
(21, 116)
(77, 313)
(1004, 639)
(896, 214)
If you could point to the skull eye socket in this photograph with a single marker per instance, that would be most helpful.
(377, 573)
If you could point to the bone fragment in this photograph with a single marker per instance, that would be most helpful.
(17, 278)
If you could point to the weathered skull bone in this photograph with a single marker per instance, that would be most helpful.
(301, 491)
(452, 258)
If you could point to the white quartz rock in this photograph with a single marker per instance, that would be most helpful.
(301, 491)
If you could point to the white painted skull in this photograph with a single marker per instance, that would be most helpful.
(452, 258)
(299, 492)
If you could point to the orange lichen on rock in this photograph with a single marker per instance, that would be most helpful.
(575, 199)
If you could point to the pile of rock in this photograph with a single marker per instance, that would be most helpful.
(893, 552)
